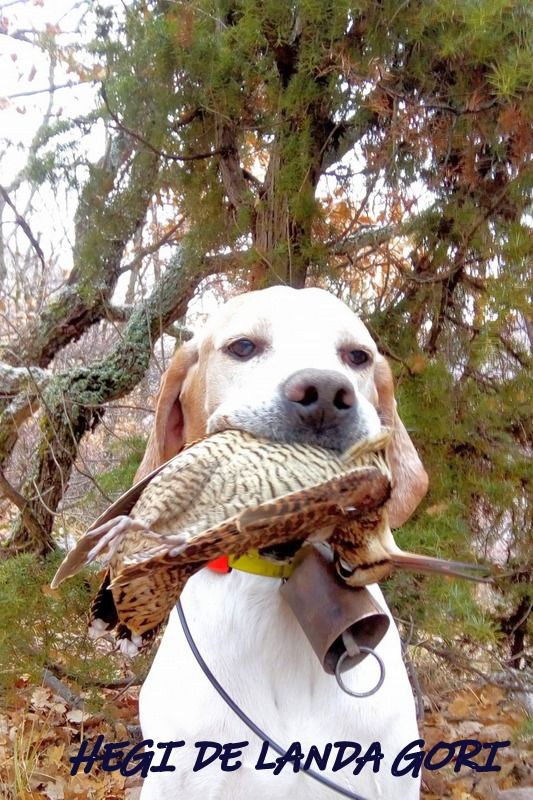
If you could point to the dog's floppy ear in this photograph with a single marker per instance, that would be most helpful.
(167, 435)
(409, 478)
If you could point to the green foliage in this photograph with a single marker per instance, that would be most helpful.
(41, 628)
(119, 478)
(480, 485)
(433, 101)
(525, 731)
(437, 96)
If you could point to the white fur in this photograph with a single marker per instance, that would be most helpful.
(252, 642)
(245, 631)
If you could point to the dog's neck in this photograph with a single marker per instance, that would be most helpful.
(249, 613)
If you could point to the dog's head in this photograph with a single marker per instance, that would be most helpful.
(290, 365)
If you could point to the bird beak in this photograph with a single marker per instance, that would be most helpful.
(413, 562)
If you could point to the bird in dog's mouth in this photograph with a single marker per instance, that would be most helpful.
(230, 493)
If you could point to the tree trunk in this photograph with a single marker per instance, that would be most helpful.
(74, 402)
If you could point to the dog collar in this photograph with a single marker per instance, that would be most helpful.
(253, 563)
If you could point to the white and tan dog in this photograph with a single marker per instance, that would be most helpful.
(291, 365)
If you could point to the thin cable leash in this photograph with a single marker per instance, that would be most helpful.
(247, 721)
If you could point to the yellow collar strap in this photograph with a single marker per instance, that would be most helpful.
(257, 564)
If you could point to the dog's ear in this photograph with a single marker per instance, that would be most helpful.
(409, 478)
(167, 435)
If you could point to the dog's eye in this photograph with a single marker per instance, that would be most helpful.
(357, 357)
(242, 348)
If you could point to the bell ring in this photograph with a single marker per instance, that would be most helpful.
(343, 624)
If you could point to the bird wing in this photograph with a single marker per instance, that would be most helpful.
(199, 488)
(145, 591)
(104, 529)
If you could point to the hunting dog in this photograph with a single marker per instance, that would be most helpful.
(290, 365)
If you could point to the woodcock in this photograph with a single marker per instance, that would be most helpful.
(227, 494)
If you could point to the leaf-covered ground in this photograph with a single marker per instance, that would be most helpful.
(39, 731)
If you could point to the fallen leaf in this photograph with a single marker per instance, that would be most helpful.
(77, 715)
(499, 732)
(462, 705)
(468, 729)
(40, 697)
(55, 790)
(55, 753)
(58, 708)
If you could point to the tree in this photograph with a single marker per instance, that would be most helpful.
(381, 150)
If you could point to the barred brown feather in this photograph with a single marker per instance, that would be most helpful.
(225, 494)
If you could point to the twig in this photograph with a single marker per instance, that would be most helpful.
(11, 493)
(24, 225)
(464, 664)
(15, 497)
(150, 249)
(415, 685)
(179, 332)
(149, 145)
(49, 89)
(118, 313)
(59, 688)
(54, 669)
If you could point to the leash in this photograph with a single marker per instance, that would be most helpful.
(247, 721)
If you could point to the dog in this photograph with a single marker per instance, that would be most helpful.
(295, 365)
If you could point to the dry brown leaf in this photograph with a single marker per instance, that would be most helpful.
(459, 791)
(417, 364)
(58, 708)
(468, 729)
(463, 705)
(55, 753)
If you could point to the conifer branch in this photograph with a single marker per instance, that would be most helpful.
(365, 237)
(149, 146)
(150, 249)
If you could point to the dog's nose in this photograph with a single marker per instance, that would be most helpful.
(320, 397)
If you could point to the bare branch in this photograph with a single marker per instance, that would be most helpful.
(117, 313)
(251, 178)
(21, 222)
(150, 249)
(120, 683)
(20, 35)
(179, 332)
(27, 516)
(231, 170)
(12, 494)
(365, 237)
(147, 144)
(186, 118)
(16, 379)
(59, 688)
(48, 90)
